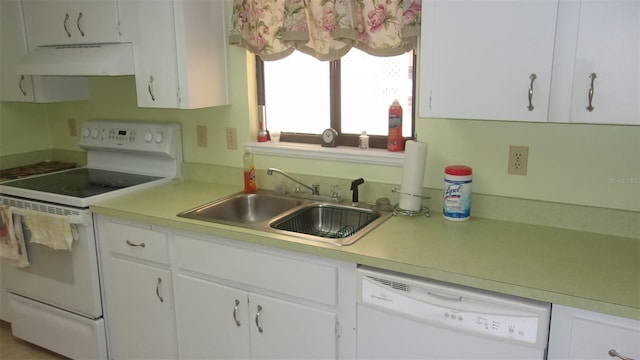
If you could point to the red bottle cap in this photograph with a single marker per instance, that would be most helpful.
(458, 170)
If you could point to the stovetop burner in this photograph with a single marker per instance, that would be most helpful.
(82, 182)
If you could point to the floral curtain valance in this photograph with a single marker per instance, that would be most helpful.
(325, 29)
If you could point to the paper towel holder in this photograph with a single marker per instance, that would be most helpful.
(394, 190)
(423, 209)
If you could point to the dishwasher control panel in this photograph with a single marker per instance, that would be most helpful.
(457, 308)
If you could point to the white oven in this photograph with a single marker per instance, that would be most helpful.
(55, 301)
(64, 284)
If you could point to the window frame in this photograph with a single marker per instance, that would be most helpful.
(351, 140)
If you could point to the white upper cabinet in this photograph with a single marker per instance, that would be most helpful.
(179, 47)
(478, 58)
(14, 87)
(600, 38)
(484, 59)
(179, 52)
(56, 22)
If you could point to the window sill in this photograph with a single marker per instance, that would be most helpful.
(340, 153)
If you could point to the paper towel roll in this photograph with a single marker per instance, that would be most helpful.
(415, 157)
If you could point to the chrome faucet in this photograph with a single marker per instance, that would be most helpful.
(315, 188)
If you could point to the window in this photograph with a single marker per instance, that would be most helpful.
(303, 96)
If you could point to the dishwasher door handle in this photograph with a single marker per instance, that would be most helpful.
(445, 296)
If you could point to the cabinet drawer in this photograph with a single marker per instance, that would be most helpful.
(138, 242)
(287, 275)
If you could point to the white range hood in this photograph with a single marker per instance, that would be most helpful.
(79, 60)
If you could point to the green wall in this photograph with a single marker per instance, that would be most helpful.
(593, 165)
(23, 128)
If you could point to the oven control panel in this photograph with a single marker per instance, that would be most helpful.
(144, 137)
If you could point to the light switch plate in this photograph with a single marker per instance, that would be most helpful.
(232, 138)
(73, 127)
(202, 136)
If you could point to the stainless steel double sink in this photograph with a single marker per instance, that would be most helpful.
(307, 219)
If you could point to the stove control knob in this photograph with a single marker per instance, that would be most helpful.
(148, 136)
(158, 137)
(94, 133)
(86, 132)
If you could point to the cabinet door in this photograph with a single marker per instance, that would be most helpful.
(71, 22)
(600, 37)
(149, 25)
(213, 320)
(478, 58)
(188, 68)
(15, 87)
(140, 311)
(284, 330)
(581, 334)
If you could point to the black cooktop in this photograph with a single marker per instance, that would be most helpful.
(81, 182)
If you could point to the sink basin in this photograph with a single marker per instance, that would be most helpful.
(336, 224)
(243, 208)
(299, 218)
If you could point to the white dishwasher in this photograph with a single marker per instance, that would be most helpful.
(405, 317)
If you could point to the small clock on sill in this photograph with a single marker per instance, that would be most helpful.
(329, 138)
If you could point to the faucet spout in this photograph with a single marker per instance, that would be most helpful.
(315, 188)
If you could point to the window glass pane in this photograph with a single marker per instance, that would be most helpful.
(297, 94)
(369, 86)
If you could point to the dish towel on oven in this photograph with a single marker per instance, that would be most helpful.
(12, 239)
(51, 230)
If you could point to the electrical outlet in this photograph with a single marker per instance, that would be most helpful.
(232, 138)
(73, 127)
(518, 160)
(202, 136)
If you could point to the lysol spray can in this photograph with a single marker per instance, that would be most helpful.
(457, 193)
(394, 139)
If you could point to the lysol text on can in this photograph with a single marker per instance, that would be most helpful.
(457, 193)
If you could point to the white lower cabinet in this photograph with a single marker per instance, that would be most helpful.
(286, 330)
(139, 306)
(141, 317)
(207, 322)
(221, 322)
(582, 334)
(171, 295)
(241, 302)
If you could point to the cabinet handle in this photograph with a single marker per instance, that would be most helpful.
(614, 353)
(532, 77)
(24, 93)
(64, 24)
(150, 88)
(593, 77)
(158, 290)
(134, 245)
(235, 313)
(258, 318)
(78, 24)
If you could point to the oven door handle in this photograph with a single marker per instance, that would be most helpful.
(73, 219)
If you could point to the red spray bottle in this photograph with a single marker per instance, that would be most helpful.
(394, 140)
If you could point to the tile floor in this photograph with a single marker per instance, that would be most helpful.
(12, 348)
